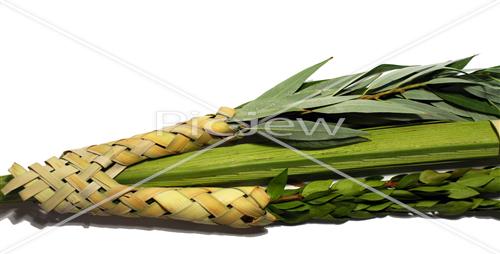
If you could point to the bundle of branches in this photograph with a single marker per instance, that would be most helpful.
(387, 120)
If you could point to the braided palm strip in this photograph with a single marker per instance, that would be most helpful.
(83, 179)
(59, 187)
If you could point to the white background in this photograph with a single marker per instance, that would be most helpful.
(57, 94)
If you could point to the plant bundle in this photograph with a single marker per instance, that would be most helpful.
(389, 119)
(440, 194)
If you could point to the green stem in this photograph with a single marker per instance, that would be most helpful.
(389, 150)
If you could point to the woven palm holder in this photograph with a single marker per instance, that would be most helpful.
(83, 179)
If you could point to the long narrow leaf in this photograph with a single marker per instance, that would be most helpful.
(367, 106)
(469, 103)
(292, 84)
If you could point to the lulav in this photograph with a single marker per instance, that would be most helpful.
(386, 95)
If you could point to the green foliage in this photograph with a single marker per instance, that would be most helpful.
(286, 88)
(386, 95)
(432, 177)
(316, 187)
(442, 194)
(276, 186)
(292, 84)
(465, 102)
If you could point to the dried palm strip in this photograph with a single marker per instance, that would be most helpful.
(82, 179)
(61, 188)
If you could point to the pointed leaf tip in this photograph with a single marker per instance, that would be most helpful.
(293, 83)
(276, 186)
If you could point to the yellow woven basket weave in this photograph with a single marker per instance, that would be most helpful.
(83, 179)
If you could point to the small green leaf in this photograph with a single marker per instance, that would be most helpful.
(458, 191)
(493, 186)
(472, 179)
(488, 202)
(343, 209)
(404, 194)
(407, 181)
(476, 202)
(348, 187)
(277, 185)
(457, 173)
(372, 196)
(331, 219)
(323, 199)
(453, 208)
(361, 206)
(316, 186)
(426, 203)
(316, 195)
(288, 205)
(319, 211)
(295, 218)
(433, 177)
(396, 207)
(361, 215)
(379, 207)
(303, 208)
